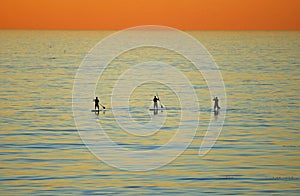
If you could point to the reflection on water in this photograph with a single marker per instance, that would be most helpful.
(257, 151)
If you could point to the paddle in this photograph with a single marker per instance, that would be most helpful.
(102, 106)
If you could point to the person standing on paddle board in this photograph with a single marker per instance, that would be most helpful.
(155, 99)
(97, 103)
(216, 106)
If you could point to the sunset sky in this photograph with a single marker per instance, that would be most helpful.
(181, 14)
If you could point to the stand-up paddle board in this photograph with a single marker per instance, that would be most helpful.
(99, 110)
(156, 109)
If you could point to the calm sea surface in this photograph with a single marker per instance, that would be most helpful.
(257, 152)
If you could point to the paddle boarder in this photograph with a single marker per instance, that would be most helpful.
(155, 99)
(97, 103)
(216, 105)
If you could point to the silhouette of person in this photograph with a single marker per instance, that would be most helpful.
(216, 105)
(155, 99)
(97, 103)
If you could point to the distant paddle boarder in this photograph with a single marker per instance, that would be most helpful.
(155, 99)
(216, 105)
(97, 103)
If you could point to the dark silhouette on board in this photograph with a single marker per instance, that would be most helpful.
(155, 100)
(97, 103)
(216, 105)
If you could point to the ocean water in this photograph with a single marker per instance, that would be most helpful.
(257, 152)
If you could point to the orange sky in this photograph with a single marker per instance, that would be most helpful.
(181, 14)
